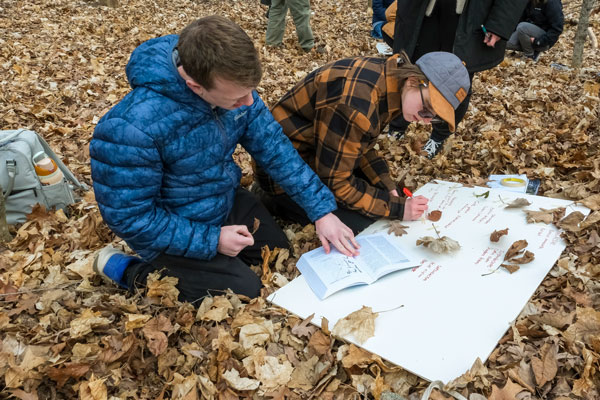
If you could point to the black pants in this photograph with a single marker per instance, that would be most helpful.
(199, 278)
(437, 34)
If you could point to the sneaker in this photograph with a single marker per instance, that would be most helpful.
(432, 147)
(320, 49)
(111, 263)
(534, 57)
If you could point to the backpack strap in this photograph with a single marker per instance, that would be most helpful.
(68, 174)
(11, 168)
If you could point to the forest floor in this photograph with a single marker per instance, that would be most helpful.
(65, 333)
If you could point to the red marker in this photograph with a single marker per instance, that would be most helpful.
(407, 193)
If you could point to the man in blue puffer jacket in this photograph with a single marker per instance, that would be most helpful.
(164, 177)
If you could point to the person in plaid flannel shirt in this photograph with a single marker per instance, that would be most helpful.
(333, 118)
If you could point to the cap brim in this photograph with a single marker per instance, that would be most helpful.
(441, 106)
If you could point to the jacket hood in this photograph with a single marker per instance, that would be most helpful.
(151, 66)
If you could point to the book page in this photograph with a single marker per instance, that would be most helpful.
(334, 269)
(380, 254)
(328, 273)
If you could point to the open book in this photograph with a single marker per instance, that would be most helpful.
(380, 254)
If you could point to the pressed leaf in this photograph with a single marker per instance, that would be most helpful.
(434, 216)
(496, 235)
(510, 268)
(518, 203)
(527, 257)
(396, 228)
(545, 216)
(440, 245)
(515, 249)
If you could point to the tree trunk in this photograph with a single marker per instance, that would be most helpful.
(5, 235)
(581, 34)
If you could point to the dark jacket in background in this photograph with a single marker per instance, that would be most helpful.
(548, 16)
(379, 7)
(498, 16)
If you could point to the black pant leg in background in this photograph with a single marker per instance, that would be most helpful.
(198, 278)
(437, 34)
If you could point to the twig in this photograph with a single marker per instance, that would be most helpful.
(436, 231)
(40, 289)
(391, 309)
(489, 273)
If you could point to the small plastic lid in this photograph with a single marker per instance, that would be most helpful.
(38, 154)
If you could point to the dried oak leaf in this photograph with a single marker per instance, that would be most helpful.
(515, 249)
(256, 225)
(234, 380)
(94, 389)
(61, 374)
(162, 290)
(592, 202)
(545, 216)
(156, 331)
(303, 328)
(524, 259)
(510, 268)
(518, 203)
(442, 245)
(572, 222)
(360, 324)
(396, 228)
(496, 235)
(509, 391)
(434, 216)
(545, 369)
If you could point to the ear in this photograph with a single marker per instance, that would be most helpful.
(195, 87)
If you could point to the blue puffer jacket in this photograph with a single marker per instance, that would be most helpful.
(162, 166)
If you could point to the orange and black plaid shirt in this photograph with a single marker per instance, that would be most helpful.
(333, 117)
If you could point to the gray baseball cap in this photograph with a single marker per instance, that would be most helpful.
(449, 83)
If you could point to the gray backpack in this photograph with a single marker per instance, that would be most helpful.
(20, 183)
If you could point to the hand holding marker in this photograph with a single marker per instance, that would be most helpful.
(414, 206)
(485, 32)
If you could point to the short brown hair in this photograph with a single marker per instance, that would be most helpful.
(407, 69)
(215, 46)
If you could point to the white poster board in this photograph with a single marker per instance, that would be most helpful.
(451, 314)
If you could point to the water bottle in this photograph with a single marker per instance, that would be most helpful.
(46, 169)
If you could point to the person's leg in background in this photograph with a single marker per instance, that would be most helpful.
(300, 10)
(199, 278)
(429, 40)
(440, 31)
(276, 23)
(513, 42)
(525, 31)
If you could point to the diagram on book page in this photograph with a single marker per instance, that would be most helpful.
(344, 268)
(333, 267)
